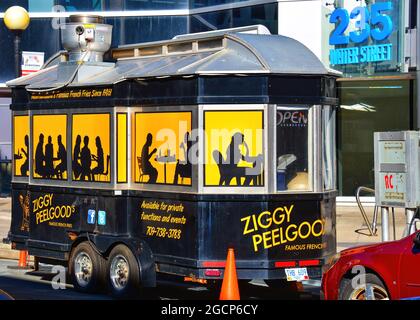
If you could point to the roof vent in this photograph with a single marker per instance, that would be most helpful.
(86, 38)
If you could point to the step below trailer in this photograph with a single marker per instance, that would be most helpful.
(176, 152)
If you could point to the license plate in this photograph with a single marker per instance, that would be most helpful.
(297, 274)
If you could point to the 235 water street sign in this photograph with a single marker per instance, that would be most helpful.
(369, 41)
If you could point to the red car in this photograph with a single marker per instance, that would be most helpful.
(388, 270)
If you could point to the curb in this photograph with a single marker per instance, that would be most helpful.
(6, 252)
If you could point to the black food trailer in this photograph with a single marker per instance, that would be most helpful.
(173, 152)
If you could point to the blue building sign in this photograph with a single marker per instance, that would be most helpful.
(366, 34)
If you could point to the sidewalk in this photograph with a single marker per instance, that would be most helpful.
(348, 220)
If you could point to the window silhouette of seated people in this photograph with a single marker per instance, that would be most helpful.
(183, 167)
(146, 165)
(238, 163)
(62, 157)
(76, 166)
(24, 168)
(99, 158)
(85, 160)
(40, 157)
(49, 159)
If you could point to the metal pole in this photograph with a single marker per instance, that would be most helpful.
(409, 214)
(18, 65)
(385, 223)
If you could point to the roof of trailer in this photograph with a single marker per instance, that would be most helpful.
(227, 54)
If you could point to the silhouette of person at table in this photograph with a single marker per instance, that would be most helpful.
(49, 159)
(77, 168)
(146, 165)
(24, 168)
(40, 157)
(62, 157)
(85, 160)
(183, 168)
(99, 158)
(236, 152)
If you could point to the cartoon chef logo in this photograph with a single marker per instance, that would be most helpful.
(24, 202)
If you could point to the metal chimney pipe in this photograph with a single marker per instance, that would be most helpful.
(86, 38)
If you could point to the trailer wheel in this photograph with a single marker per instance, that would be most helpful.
(123, 273)
(86, 268)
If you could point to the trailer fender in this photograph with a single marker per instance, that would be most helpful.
(146, 262)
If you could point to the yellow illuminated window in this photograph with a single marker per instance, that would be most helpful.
(91, 143)
(49, 152)
(234, 148)
(21, 146)
(122, 147)
(162, 144)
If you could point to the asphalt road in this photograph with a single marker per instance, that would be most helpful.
(30, 285)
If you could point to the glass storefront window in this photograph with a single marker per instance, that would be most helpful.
(293, 134)
(128, 30)
(265, 14)
(40, 36)
(94, 5)
(367, 107)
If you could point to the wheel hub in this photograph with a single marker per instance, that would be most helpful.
(119, 272)
(83, 269)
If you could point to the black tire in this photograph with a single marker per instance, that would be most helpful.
(123, 273)
(347, 292)
(97, 273)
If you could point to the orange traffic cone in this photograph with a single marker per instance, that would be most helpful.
(23, 259)
(230, 287)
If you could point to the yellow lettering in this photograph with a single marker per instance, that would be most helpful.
(281, 216)
(256, 239)
(260, 224)
(294, 233)
(267, 239)
(321, 231)
(289, 212)
(274, 235)
(300, 230)
(246, 228)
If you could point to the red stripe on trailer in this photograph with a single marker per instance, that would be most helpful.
(285, 264)
(214, 264)
(309, 263)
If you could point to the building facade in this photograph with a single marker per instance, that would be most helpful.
(378, 90)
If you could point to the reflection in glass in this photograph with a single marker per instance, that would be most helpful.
(369, 106)
(292, 149)
(265, 14)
